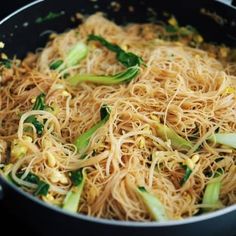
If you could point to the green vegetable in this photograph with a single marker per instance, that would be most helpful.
(186, 176)
(73, 57)
(38, 126)
(50, 16)
(4, 171)
(175, 33)
(9, 178)
(176, 141)
(76, 177)
(38, 105)
(187, 31)
(83, 140)
(128, 59)
(6, 63)
(171, 29)
(124, 76)
(55, 64)
(212, 194)
(228, 139)
(42, 187)
(153, 205)
(71, 201)
(40, 102)
(31, 178)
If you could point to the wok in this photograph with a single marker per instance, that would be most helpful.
(23, 31)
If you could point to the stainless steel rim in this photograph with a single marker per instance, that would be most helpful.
(91, 219)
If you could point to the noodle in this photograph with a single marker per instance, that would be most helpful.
(182, 87)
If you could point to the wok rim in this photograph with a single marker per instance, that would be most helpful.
(92, 219)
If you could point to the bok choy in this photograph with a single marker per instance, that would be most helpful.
(154, 206)
(38, 105)
(187, 174)
(128, 59)
(211, 195)
(83, 140)
(72, 199)
(124, 76)
(131, 61)
(176, 140)
(73, 57)
(6, 63)
(42, 186)
(188, 167)
(228, 139)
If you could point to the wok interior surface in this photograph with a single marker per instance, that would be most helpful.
(143, 11)
(24, 28)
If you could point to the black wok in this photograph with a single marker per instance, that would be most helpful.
(21, 33)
